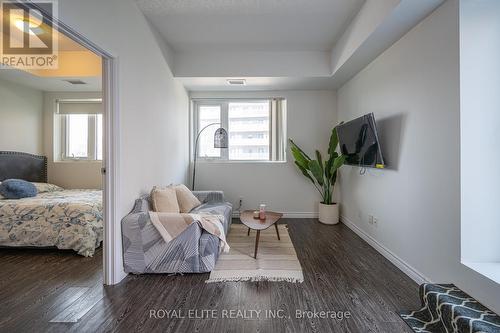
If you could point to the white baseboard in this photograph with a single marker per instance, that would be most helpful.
(290, 215)
(398, 262)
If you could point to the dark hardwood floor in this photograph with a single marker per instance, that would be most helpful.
(59, 291)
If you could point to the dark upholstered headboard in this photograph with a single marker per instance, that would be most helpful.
(32, 168)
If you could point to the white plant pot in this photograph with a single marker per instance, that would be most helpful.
(329, 214)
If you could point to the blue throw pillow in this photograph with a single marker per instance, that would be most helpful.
(17, 189)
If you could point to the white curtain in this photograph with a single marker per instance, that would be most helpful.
(278, 113)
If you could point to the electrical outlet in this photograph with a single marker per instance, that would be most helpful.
(375, 222)
(370, 219)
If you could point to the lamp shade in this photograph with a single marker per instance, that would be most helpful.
(220, 138)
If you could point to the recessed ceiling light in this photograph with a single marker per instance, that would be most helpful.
(236, 82)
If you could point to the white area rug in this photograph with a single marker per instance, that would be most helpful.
(276, 259)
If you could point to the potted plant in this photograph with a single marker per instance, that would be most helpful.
(323, 175)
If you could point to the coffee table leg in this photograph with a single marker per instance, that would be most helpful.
(277, 232)
(256, 244)
(248, 232)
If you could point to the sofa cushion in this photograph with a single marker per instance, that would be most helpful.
(186, 199)
(164, 200)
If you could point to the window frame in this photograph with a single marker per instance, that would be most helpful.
(91, 132)
(224, 154)
(224, 116)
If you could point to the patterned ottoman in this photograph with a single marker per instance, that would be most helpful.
(445, 308)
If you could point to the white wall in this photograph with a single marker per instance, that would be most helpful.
(21, 118)
(363, 24)
(480, 135)
(413, 90)
(67, 174)
(153, 106)
(252, 64)
(311, 115)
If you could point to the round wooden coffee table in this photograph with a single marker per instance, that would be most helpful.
(247, 219)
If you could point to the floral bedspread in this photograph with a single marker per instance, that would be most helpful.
(67, 219)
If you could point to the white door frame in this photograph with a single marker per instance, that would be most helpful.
(112, 268)
(112, 265)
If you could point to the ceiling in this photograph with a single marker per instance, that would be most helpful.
(50, 83)
(278, 44)
(250, 25)
(75, 63)
(65, 43)
(258, 83)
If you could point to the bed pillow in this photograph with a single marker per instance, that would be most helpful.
(186, 199)
(17, 189)
(164, 200)
(46, 187)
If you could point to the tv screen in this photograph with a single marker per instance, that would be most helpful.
(358, 140)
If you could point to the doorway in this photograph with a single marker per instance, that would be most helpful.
(112, 265)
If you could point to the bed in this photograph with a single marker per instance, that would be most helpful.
(65, 219)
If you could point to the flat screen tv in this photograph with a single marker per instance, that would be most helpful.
(358, 140)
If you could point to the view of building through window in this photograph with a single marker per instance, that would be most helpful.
(249, 130)
(208, 114)
(255, 127)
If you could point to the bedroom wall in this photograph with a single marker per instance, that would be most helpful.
(153, 106)
(311, 115)
(413, 90)
(68, 174)
(21, 118)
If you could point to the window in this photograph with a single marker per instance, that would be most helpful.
(77, 135)
(256, 129)
(80, 129)
(208, 114)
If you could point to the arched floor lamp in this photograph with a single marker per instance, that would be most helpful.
(220, 141)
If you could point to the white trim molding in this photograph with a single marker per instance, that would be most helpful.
(290, 215)
(113, 255)
(388, 254)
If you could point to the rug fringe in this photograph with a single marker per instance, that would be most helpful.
(256, 279)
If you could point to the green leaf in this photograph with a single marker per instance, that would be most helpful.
(327, 168)
(299, 158)
(329, 164)
(304, 171)
(333, 180)
(339, 161)
(298, 148)
(316, 171)
(320, 160)
(334, 141)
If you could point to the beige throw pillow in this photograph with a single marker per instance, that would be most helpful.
(186, 199)
(164, 200)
